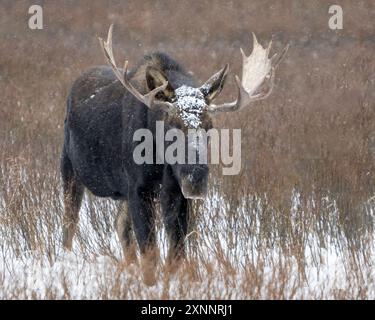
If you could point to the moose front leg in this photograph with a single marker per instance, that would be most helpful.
(175, 210)
(142, 214)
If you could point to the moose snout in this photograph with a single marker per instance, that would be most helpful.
(194, 182)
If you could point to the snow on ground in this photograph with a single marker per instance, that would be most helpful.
(95, 276)
(71, 276)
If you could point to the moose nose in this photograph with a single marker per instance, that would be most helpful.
(194, 182)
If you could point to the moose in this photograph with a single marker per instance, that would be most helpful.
(107, 105)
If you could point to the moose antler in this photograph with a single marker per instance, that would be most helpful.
(255, 69)
(121, 74)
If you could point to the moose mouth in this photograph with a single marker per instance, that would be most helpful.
(193, 191)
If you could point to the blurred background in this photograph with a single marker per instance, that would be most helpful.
(314, 136)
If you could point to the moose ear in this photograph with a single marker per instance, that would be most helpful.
(215, 84)
(156, 78)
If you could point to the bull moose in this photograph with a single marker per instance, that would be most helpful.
(106, 106)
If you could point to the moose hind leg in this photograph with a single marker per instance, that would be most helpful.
(124, 228)
(73, 192)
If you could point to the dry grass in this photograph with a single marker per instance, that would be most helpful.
(303, 195)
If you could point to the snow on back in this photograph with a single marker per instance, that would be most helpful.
(190, 102)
